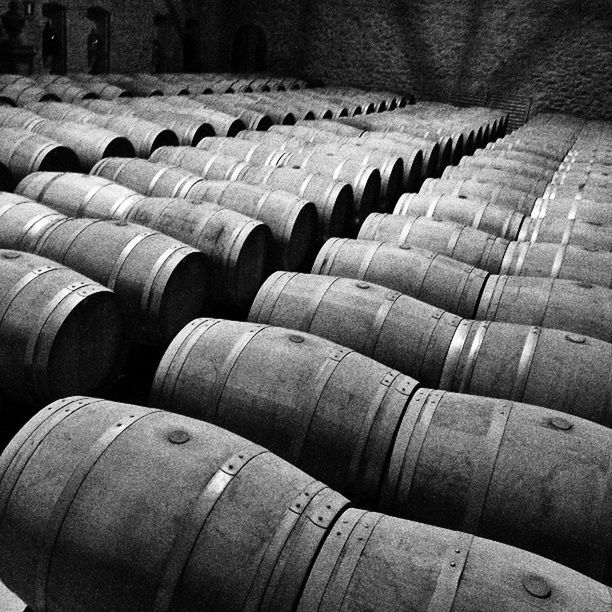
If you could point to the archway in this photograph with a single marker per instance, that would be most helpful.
(249, 49)
(98, 41)
(54, 47)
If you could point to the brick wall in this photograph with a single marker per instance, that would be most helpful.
(557, 51)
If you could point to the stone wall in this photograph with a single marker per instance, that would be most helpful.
(131, 39)
(558, 52)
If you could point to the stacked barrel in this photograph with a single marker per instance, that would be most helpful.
(378, 352)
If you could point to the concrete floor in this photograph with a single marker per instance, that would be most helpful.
(9, 602)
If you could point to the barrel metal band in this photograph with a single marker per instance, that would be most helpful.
(535, 229)
(208, 165)
(151, 186)
(478, 216)
(539, 208)
(151, 300)
(558, 262)
(371, 251)
(373, 334)
(405, 230)
(40, 196)
(569, 226)
(66, 498)
(324, 263)
(155, 220)
(470, 364)
(339, 168)
(352, 552)
(277, 543)
(428, 402)
(4, 209)
(453, 564)
(16, 149)
(9, 297)
(491, 297)
(226, 368)
(264, 303)
(354, 472)
(63, 253)
(523, 249)
(329, 203)
(454, 352)
(193, 523)
(484, 466)
(312, 399)
(452, 243)
(44, 422)
(261, 203)
(525, 361)
(114, 173)
(38, 347)
(87, 199)
(268, 173)
(172, 363)
(313, 303)
(249, 154)
(432, 206)
(304, 185)
(125, 253)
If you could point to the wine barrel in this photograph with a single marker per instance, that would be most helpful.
(558, 261)
(550, 368)
(588, 211)
(490, 152)
(575, 306)
(324, 408)
(19, 215)
(479, 214)
(188, 131)
(90, 143)
(432, 278)
(130, 508)
(22, 152)
(144, 135)
(22, 93)
(292, 221)
(60, 332)
(253, 153)
(19, 118)
(525, 184)
(524, 169)
(340, 426)
(377, 562)
(235, 245)
(252, 119)
(460, 242)
(161, 281)
(333, 199)
(498, 194)
(588, 235)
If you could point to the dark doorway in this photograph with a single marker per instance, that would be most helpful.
(194, 49)
(249, 50)
(98, 40)
(54, 38)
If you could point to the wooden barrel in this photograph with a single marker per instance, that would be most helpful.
(460, 242)
(527, 185)
(22, 93)
(512, 150)
(549, 148)
(161, 281)
(376, 562)
(18, 215)
(500, 195)
(521, 156)
(333, 199)
(65, 89)
(195, 517)
(478, 214)
(333, 127)
(292, 221)
(188, 131)
(253, 153)
(60, 332)
(588, 235)
(23, 152)
(19, 118)
(324, 408)
(550, 368)
(252, 119)
(426, 276)
(90, 143)
(522, 168)
(235, 245)
(488, 446)
(365, 180)
(575, 306)
(588, 211)
(558, 261)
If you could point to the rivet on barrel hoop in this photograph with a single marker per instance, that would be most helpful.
(178, 436)
(11, 255)
(296, 339)
(560, 423)
(536, 586)
(363, 285)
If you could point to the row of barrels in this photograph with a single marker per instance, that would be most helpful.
(116, 506)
